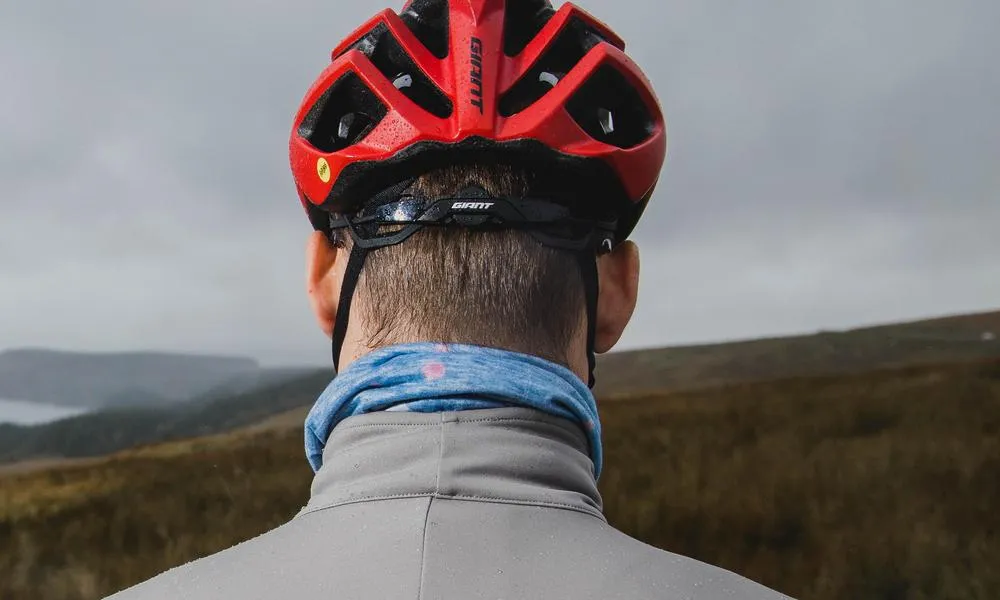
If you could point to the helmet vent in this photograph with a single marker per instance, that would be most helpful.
(342, 116)
(523, 19)
(389, 57)
(610, 109)
(428, 20)
(568, 49)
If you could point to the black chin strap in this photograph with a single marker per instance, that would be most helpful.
(359, 252)
(351, 276)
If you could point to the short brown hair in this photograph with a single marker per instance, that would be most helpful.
(496, 288)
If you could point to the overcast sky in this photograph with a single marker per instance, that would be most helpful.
(831, 163)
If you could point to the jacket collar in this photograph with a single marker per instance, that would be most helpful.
(510, 455)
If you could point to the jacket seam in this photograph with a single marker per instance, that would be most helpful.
(427, 515)
(423, 550)
(471, 498)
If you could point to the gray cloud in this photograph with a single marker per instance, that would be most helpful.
(831, 164)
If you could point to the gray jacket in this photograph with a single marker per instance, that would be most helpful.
(498, 504)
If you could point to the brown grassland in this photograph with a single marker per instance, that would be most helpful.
(880, 485)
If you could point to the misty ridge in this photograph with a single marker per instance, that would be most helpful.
(204, 395)
(33, 413)
(97, 381)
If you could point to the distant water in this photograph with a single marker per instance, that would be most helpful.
(29, 413)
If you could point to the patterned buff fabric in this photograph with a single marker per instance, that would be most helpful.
(426, 377)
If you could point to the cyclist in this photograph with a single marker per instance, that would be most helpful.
(472, 169)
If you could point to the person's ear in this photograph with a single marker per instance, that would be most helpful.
(618, 274)
(325, 265)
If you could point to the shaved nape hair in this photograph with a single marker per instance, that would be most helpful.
(501, 289)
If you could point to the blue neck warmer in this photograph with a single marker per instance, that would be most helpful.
(427, 377)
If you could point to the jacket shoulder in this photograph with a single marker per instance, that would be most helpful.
(650, 572)
(308, 557)
(476, 551)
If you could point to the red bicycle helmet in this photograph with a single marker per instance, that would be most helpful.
(478, 81)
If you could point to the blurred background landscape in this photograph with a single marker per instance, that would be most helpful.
(853, 464)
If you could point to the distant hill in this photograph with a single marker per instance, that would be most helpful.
(258, 380)
(948, 339)
(108, 431)
(125, 379)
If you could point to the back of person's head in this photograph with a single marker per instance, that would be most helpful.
(498, 288)
(477, 166)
